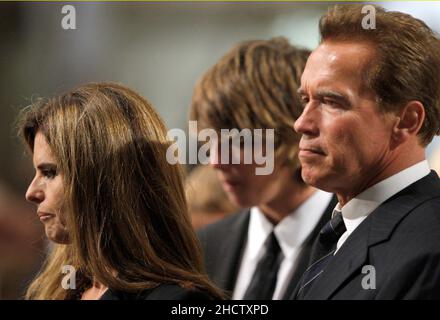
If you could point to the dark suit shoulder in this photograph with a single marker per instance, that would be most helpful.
(217, 229)
(408, 262)
(413, 236)
(421, 227)
(410, 218)
(222, 243)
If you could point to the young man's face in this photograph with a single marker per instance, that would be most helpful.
(243, 186)
(345, 140)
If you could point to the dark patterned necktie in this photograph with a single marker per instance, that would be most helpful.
(323, 253)
(264, 279)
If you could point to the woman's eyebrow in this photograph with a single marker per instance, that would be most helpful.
(46, 166)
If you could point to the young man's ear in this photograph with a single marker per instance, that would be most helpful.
(409, 121)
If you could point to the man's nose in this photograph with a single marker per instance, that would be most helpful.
(306, 124)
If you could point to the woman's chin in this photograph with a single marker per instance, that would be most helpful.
(58, 237)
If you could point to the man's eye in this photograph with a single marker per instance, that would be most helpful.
(304, 101)
(331, 103)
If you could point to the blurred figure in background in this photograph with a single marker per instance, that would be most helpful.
(261, 252)
(207, 201)
(434, 160)
(109, 200)
(22, 245)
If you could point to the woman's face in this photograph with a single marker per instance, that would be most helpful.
(46, 191)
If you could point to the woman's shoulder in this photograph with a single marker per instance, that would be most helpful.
(161, 292)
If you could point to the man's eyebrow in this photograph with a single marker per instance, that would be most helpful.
(326, 93)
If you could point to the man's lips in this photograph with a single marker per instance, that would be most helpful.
(230, 184)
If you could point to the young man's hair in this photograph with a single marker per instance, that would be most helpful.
(254, 86)
(406, 65)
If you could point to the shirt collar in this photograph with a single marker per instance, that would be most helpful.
(358, 208)
(292, 231)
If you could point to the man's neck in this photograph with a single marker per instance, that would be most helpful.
(286, 202)
(387, 171)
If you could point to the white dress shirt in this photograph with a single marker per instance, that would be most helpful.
(291, 233)
(358, 208)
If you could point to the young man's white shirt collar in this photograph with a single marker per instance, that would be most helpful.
(291, 233)
(358, 208)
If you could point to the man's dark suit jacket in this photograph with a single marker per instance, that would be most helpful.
(223, 244)
(401, 240)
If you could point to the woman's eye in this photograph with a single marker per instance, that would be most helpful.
(50, 173)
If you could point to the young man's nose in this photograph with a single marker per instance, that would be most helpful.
(216, 161)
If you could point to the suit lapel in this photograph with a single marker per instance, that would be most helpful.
(231, 250)
(376, 228)
(303, 260)
(350, 257)
(389, 214)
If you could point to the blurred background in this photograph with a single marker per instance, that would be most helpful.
(158, 49)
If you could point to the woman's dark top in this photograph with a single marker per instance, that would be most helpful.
(162, 292)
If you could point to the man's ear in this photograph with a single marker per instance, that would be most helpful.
(409, 121)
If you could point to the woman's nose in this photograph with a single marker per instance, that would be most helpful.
(34, 194)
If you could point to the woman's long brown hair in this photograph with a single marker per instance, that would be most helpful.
(126, 210)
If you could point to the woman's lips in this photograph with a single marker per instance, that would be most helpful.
(45, 216)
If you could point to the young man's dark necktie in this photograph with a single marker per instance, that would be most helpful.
(323, 253)
(264, 279)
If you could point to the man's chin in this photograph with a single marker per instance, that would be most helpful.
(240, 200)
(313, 178)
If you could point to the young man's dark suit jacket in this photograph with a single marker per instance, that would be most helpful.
(223, 243)
(401, 240)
